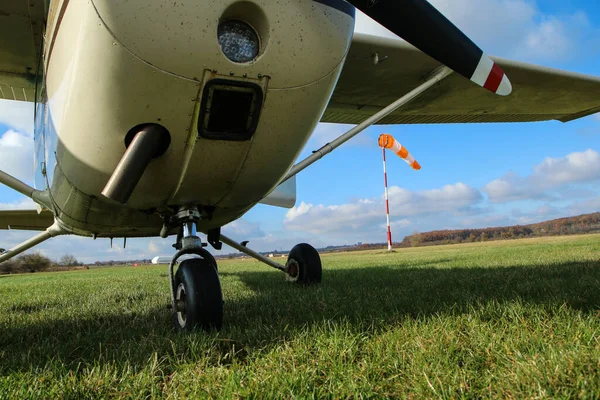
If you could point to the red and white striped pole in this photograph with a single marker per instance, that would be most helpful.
(386, 141)
(387, 203)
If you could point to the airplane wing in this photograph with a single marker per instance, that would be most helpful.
(539, 93)
(22, 24)
(28, 220)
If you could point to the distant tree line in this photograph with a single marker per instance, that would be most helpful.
(587, 223)
(122, 263)
(36, 262)
(581, 224)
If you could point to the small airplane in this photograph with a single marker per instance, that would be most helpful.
(157, 118)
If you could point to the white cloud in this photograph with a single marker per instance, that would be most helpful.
(325, 133)
(485, 221)
(548, 40)
(448, 198)
(153, 247)
(298, 211)
(17, 115)
(545, 210)
(16, 155)
(542, 213)
(243, 229)
(365, 214)
(395, 225)
(584, 207)
(549, 175)
(24, 204)
(513, 187)
(575, 167)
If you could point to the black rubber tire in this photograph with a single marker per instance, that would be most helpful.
(203, 297)
(211, 259)
(309, 263)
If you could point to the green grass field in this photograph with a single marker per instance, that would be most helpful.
(509, 319)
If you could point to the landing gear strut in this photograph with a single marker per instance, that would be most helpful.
(196, 298)
(303, 265)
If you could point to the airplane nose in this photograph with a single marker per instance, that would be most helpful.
(294, 43)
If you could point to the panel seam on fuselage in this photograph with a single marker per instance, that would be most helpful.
(339, 5)
(61, 14)
(323, 2)
(112, 34)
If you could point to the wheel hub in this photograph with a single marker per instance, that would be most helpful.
(180, 305)
(292, 269)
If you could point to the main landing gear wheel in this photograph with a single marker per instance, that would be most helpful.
(304, 265)
(198, 297)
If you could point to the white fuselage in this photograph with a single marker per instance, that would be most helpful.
(112, 65)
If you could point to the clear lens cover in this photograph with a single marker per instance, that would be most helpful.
(238, 41)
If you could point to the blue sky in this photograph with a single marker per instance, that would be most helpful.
(472, 176)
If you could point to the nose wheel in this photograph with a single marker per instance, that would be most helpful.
(198, 297)
(304, 265)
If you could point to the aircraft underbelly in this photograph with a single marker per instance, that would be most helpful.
(220, 174)
(97, 91)
(106, 75)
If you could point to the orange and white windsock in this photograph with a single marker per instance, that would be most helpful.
(387, 202)
(386, 141)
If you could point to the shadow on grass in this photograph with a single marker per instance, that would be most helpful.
(376, 296)
(387, 295)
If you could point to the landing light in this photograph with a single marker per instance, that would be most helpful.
(238, 40)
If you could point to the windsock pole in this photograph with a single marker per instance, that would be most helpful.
(386, 141)
(387, 203)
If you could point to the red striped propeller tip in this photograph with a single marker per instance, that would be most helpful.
(490, 76)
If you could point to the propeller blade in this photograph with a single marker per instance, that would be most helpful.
(423, 26)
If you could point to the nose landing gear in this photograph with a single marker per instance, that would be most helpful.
(196, 298)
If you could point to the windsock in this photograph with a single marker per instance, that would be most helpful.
(386, 141)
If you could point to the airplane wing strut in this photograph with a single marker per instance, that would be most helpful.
(435, 77)
(41, 219)
(54, 230)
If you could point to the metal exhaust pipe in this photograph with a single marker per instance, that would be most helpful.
(144, 143)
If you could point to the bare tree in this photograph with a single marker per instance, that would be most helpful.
(68, 260)
(7, 267)
(32, 262)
